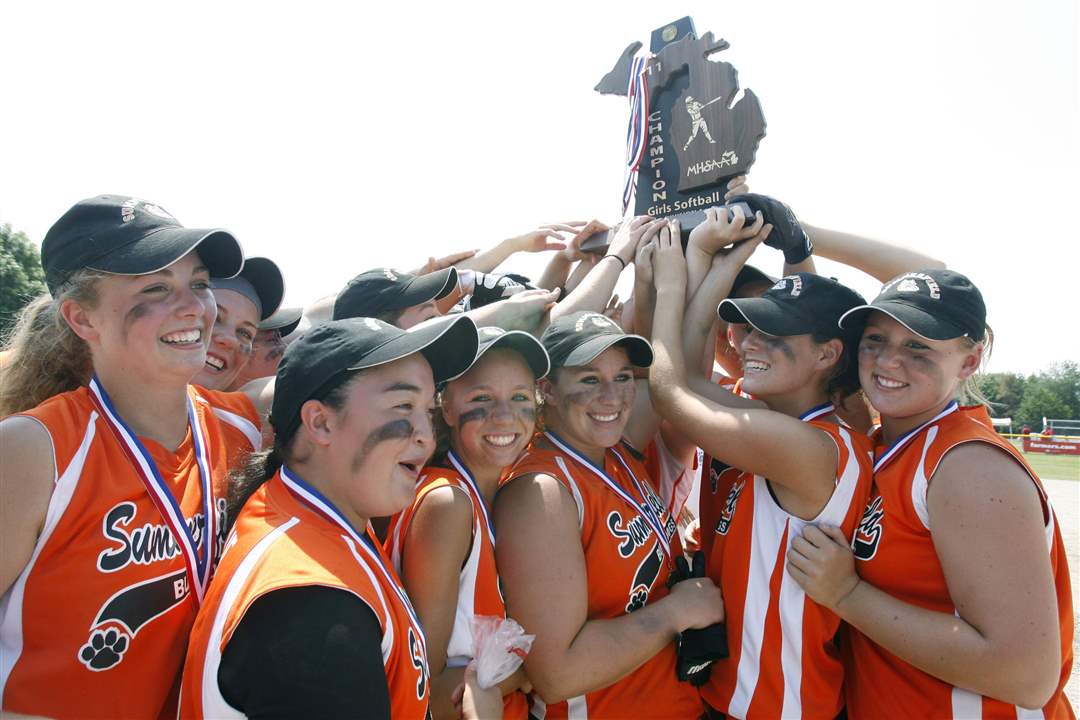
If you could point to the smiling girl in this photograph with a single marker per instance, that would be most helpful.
(444, 545)
(306, 617)
(960, 606)
(586, 547)
(114, 466)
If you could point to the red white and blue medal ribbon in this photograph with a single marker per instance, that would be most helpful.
(327, 509)
(815, 413)
(198, 563)
(645, 508)
(901, 442)
(477, 497)
(637, 91)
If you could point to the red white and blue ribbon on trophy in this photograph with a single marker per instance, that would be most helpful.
(637, 132)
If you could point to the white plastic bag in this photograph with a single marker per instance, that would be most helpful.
(499, 647)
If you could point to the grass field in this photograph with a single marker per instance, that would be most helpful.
(1061, 467)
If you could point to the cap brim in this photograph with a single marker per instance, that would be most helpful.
(637, 349)
(285, 320)
(219, 251)
(448, 343)
(765, 315)
(265, 276)
(525, 345)
(425, 288)
(914, 319)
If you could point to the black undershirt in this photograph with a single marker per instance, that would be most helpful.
(311, 652)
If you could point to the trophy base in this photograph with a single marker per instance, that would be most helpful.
(689, 220)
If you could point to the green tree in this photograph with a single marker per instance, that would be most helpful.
(21, 277)
(1040, 401)
(1005, 390)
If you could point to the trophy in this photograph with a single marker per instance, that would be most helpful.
(688, 134)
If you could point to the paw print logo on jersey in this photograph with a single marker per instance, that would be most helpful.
(104, 649)
(868, 535)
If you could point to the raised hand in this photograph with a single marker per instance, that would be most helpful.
(525, 310)
(546, 237)
(718, 232)
(631, 235)
(789, 236)
(668, 263)
(581, 231)
(736, 186)
(442, 263)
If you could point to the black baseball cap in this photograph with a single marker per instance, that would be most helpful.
(576, 339)
(385, 290)
(936, 304)
(519, 341)
(798, 304)
(285, 320)
(310, 366)
(260, 281)
(127, 236)
(749, 274)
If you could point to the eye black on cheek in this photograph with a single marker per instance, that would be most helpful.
(396, 430)
(474, 415)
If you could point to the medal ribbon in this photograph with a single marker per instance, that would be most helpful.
(645, 508)
(814, 413)
(317, 501)
(637, 91)
(464, 472)
(902, 441)
(198, 563)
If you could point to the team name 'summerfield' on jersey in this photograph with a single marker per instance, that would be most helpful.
(107, 592)
(627, 568)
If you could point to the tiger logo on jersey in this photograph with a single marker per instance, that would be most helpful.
(868, 534)
(724, 524)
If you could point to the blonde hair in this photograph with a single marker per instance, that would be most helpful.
(970, 393)
(47, 357)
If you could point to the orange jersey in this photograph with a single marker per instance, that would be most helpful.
(784, 661)
(97, 622)
(627, 569)
(478, 583)
(282, 540)
(240, 420)
(896, 552)
(717, 478)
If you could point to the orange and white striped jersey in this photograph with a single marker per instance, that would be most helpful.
(895, 548)
(288, 536)
(784, 661)
(717, 477)
(628, 567)
(478, 583)
(97, 622)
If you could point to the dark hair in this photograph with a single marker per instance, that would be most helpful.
(845, 377)
(258, 467)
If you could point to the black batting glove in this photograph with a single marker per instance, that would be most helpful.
(787, 234)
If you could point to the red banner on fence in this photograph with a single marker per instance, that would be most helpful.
(1052, 445)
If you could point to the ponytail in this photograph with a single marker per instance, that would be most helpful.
(259, 467)
(47, 357)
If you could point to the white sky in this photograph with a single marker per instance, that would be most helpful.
(336, 137)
